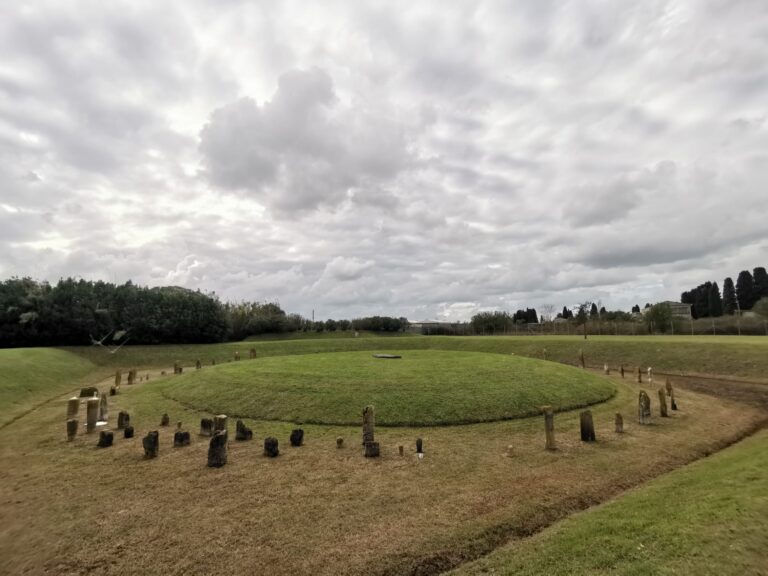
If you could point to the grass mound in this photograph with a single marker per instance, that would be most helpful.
(423, 388)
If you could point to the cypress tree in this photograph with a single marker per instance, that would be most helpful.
(729, 296)
(715, 302)
(593, 310)
(760, 276)
(745, 286)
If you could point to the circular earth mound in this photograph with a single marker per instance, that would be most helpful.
(423, 388)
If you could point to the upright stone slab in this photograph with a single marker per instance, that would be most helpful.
(672, 399)
(639, 376)
(253, 353)
(544, 354)
(213, 362)
(606, 370)
(643, 408)
(91, 414)
(118, 378)
(621, 371)
(619, 423)
(113, 390)
(663, 403)
(549, 427)
(103, 409)
(128, 432)
(206, 427)
(419, 446)
(587, 426)
(198, 364)
(237, 355)
(650, 375)
(372, 450)
(72, 428)
(668, 386)
(219, 422)
(242, 432)
(217, 449)
(401, 449)
(176, 367)
(339, 442)
(105, 439)
(581, 358)
(368, 424)
(123, 419)
(180, 438)
(297, 437)
(271, 447)
(165, 420)
(151, 443)
(73, 405)
(131, 376)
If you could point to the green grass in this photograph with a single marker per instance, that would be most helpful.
(32, 375)
(710, 517)
(424, 387)
(729, 355)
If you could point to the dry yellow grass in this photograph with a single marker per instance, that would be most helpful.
(70, 508)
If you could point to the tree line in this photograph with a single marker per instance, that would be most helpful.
(706, 300)
(79, 312)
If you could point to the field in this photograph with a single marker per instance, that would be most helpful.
(71, 508)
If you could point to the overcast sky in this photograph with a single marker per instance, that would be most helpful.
(400, 158)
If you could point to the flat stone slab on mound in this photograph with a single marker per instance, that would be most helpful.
(387, 356)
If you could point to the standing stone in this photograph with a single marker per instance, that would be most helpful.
(419, 446)
(663, 403)
(73, 405)
(217, 449)
(103, 409)
(237, 355)
(146, 378)
(271, 448)
(297, 437)
(549, 427)
(128, 432)
(606, 370)
(621, 370)
(339, 442)
(180, 438)
(105, 439)
(118, 378)
(619, 424)
(253, 353)
(198, 365)
(213, 362)
(372, 450)
(644, 408)
(401, 449)
(176, 367)
(581, 358)
(151, 443)
(639, 376)
(123, 419)
(668, 386)
(544, 355)
(219, 422)
(131, 376)
(92, 414)
(672, 399)
(72, 428)
(242, 432)
(587, 426)
(113, 390)
(89, 392)
(368, 424)
(650, 375)
(206, 427)
(165, 420)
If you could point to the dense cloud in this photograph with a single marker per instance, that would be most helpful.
(406, 159)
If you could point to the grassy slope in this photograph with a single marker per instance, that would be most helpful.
(708, 518)
(731, 355)
(423, 388)
(32, 375)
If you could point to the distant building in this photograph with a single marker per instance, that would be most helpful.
(677, 308)
(434, 327)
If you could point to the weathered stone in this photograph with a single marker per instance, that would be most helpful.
(73, 406)
(663, 403)
(619, 423)
(549, 427)
(162, 373)
(271, 447)
(419, 446)
(581, 358)
(372, 450)
(297, 437)
(643, 408)
(668, 386)
(180, 438)
(89, 392)
(252, 353)
(123, 419)
(198, 364)
(587, 426)
(105, 439)
(131, 376)
(91, 414)
(206, 427)
(242, 432)
(217, 449)
(672, 399)
(165, 420)
(118, 378)
(606, 369)
(237, 355)
(401, 450)
(177, 367)
(650, 374)
(219, 422)
(151, 443)
(103, 409)
(368, 424)
(72, 428)
(128, 432)
(639, 376)
(113, 390)
(339, 442)
(621, 370)
(544, 354)
(213, 362)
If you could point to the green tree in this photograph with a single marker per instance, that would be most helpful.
(760, 277)
(761, 307)
(714, 301)
(659, 317)
(745, 287)
(729, 296)
(582, 316)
